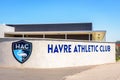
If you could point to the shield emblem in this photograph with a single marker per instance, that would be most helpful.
(21, 50)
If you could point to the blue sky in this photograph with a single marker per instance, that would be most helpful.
(104, 14)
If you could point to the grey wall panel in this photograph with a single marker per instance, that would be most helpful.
(53, 27)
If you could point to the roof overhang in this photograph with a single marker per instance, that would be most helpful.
(55, 32)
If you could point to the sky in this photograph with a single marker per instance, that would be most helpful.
(104, 14)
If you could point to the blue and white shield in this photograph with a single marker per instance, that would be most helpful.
(21, 50)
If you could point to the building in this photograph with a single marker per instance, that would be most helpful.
(77, 31)
(53, 46)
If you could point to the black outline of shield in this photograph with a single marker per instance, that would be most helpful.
(23, 41)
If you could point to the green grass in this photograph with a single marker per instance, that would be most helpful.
(117, 58)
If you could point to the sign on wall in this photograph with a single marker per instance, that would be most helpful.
(78, 48)
(21, 50)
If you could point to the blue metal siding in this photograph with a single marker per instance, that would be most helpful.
(53, 27)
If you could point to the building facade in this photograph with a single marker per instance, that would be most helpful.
(53, 46)
(77, 31)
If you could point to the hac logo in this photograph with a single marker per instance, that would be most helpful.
(21, 50)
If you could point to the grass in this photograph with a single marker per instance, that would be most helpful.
(117, 58)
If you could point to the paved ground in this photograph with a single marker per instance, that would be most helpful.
(39, 74)
(103, 72)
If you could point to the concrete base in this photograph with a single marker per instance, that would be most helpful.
(41, 57)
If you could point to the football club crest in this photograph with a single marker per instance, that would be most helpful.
(21, 50)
